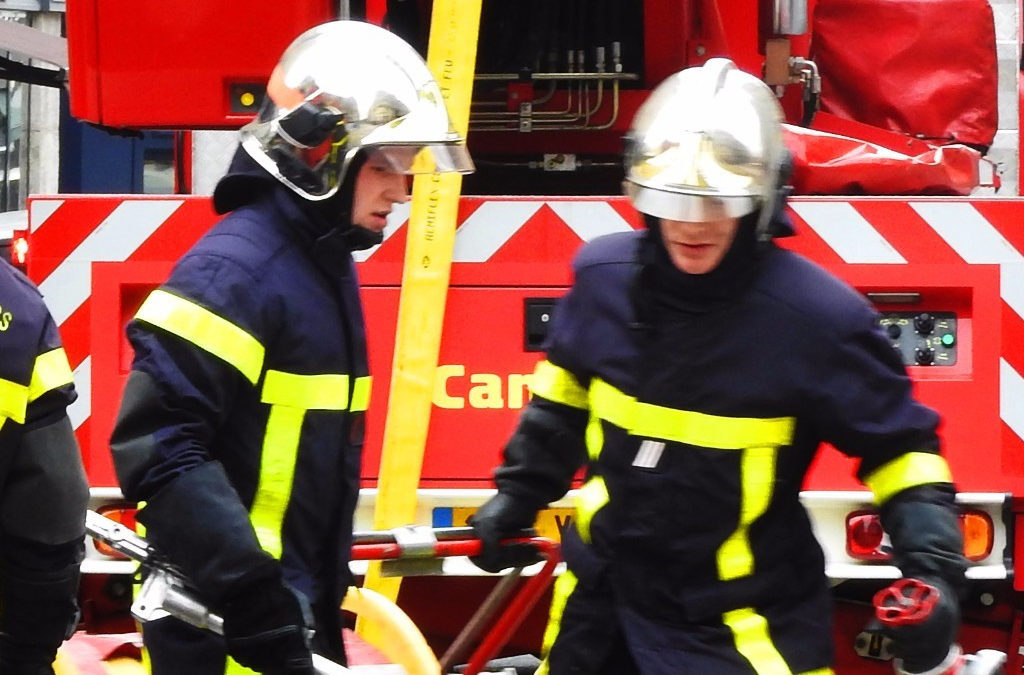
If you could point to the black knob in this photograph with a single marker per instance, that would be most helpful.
(924, 356)
(924, 323)
(894, 331)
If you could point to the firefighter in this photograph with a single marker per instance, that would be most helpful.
(241, 423)
(43, 489)
(694, 368)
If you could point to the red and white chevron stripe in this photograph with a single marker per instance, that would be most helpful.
(71, 233)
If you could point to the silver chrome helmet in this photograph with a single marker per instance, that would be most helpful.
(707, 144)
(342, 87)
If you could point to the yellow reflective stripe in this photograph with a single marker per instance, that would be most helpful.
(757, 476)
(327, 391)
(361, 394)
(277, 469)
(232, 667)
(818, 671)
(610, 404)
(565, 584)
(750, 631)
(50, 371)
(2, 420)
(558, 385)
(589, 500)
(686, 426)
(13, 399)
(710, 431)
(906, 471)
(594, 437)
(204, 329)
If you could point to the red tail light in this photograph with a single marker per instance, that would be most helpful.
(866, 540)
(19, 249)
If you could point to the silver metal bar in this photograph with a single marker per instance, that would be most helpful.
(512, 77)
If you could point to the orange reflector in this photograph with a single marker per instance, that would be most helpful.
(865, 538)
(978, 534)
(122, 513)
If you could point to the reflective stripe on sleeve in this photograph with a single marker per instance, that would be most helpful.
(906, 471)
(205, 329)
(51, 371)
(13, 400)
(558, 385)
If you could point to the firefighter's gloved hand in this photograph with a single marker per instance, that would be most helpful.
(929, 647)
(501, 517)
(266, 627)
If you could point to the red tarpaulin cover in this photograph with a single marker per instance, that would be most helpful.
(827, 163)
(921, 67)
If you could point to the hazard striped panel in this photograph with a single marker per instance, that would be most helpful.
(943, 231)
(72, 234)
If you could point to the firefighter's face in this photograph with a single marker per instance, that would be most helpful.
(698, 248)
(377, 189)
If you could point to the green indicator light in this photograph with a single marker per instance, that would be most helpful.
(948, 339)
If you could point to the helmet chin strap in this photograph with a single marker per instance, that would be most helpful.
(336, 211)
(775, 200)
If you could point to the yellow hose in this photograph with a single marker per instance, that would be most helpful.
(395, 635)
(451, 56)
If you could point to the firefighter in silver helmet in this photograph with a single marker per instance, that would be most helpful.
(241, 424)
(694, 369)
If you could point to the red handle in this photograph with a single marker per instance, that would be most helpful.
(906, 602)
(462, 542)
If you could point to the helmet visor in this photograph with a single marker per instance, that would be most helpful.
(699, 163)
(431, 158)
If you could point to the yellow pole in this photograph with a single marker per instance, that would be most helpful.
(451, 56)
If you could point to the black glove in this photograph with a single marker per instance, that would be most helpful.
(921, 647)
(501, 517)
(928, 546)
(266, 627)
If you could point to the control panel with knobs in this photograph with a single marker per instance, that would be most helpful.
(922, 338)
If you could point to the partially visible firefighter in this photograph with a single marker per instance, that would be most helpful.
(241, 424)
(694, 368)
(43, 488)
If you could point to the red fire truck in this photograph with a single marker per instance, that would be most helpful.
(893, 109)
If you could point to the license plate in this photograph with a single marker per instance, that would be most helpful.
(550, 522)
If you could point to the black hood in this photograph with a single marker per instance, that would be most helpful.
(664, 287)
(661, 286)
(246, 181)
